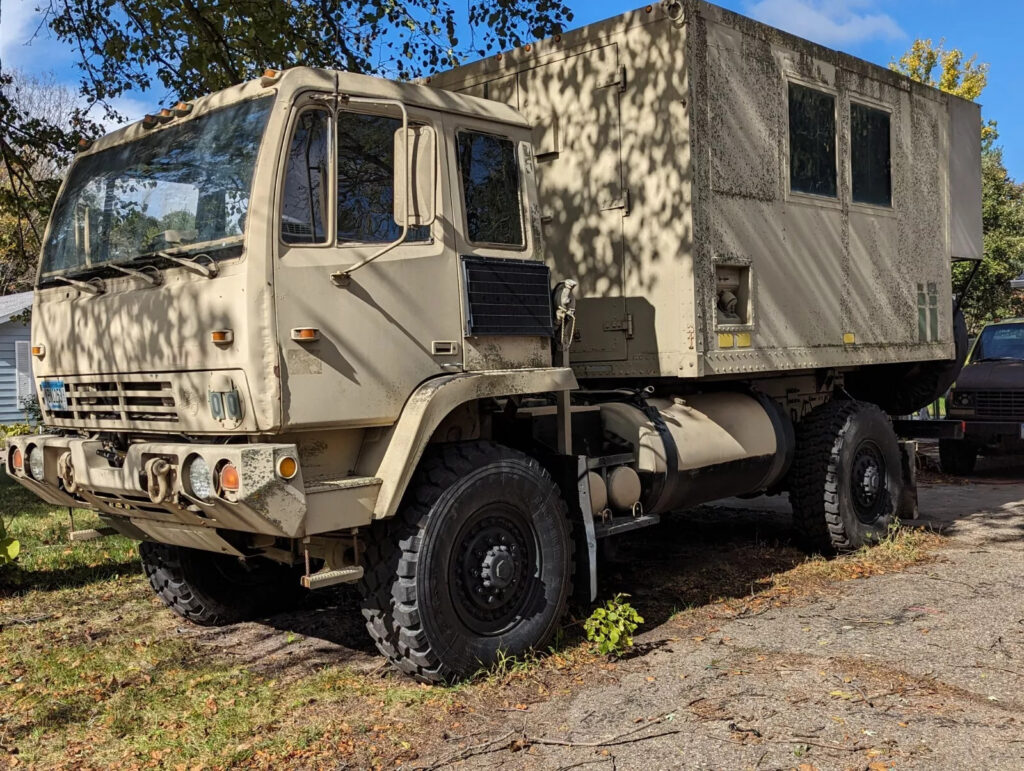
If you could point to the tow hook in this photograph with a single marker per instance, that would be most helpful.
(158, 479)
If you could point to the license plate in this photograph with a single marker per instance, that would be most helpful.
(54, 396)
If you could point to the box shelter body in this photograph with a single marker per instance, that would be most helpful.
(684, 152)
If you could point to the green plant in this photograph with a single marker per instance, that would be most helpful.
(611, 626)
(10, 548)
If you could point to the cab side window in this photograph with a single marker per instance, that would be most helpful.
(490, 188)
(812, 141)
(304, 209)
(366, 163)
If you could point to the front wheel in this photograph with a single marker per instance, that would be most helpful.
(213, 589)
(847, 476)
(477, 564)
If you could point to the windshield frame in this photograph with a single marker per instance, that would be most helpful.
(135, 133)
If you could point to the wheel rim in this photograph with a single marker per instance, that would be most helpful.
(867, 483)
(495, 569)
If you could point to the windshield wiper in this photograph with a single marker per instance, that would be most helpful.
(93, 286)
(998, 358)
(150, 278)
(192, 263)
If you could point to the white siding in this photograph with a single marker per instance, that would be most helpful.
(11, 334)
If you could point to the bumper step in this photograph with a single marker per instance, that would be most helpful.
(349, 483)
(92, 534)
(331, 577)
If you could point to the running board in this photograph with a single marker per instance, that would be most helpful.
(92, 535)
(326, 578)
(619, 525)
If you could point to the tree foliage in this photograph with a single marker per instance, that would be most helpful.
(990, 297)
(193, 47)
(40, 124)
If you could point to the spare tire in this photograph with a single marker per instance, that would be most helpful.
(901, 389)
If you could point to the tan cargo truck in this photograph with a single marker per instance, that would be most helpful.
(440, 339)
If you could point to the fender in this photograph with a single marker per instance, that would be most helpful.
(431, 403)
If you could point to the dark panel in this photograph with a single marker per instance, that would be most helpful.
(507, 297)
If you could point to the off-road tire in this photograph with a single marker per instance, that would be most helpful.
(957, 457)
(418, 588)
(836, 443)
(211, 589)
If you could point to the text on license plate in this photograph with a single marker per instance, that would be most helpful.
(54, 395)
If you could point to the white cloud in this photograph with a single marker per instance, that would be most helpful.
(18, 22)
(829, 22)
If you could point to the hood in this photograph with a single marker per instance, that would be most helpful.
(1007, 375)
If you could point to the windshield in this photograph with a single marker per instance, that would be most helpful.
(1002, 341)
(186, 184)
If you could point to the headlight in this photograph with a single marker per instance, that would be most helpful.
(961, 399)
(35, 463)
(200, 480)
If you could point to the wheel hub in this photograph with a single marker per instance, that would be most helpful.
(493, 571)
(867, 482)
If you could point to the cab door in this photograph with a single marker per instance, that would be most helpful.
(352, 354)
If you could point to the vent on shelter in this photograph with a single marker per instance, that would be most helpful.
(507, 297)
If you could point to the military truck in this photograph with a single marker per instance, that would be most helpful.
(440, 339)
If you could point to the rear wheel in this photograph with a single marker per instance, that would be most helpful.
(847, 479)
(477, 563)
(957, 457)
(212, 589)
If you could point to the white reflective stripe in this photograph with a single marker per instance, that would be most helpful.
(23, 367)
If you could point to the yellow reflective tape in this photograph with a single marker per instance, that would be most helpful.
(725, 340)
(849, 338)
(743, 340)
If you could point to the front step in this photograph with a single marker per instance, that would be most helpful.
(618, 525)
(326, 578)
(92, 534)
(348, 483)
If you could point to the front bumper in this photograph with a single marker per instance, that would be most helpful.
(265, 503)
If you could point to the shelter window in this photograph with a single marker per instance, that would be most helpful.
(870, 155)
(304, 209)
(366, 185)
(812, 141)
(490, 188)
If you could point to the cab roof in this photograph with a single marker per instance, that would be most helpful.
(290, 82)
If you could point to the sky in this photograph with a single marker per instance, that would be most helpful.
(876, 30)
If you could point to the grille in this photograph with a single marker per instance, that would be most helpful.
(507, 297)
(115, 402)
(999, 404)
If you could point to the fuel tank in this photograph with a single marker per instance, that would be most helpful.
(702, 447)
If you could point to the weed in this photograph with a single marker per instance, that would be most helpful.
(612, 625)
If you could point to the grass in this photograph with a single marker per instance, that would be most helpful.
(95, 672)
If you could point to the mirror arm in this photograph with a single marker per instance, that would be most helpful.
(344, 277)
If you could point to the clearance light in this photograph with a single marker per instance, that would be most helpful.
(269, 77)
(182, 109)
(305, 334)
(84, 144)
(149, 121)
(39, 351)
(287, 467)
(229, 481)
(17, 460)
(222, 336)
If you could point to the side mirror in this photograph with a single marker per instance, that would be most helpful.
(415, 176)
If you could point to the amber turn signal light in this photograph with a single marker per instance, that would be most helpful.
(287, 467)
(222, 336)
(39, 351)
(17, 460)
(305, 334)
(229, 480)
